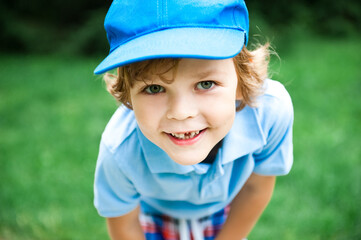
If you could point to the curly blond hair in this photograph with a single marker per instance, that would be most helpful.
(251, 68)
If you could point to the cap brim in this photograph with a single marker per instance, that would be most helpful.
(203, 43)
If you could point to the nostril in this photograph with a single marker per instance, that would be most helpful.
(182, 106)
(182, 113)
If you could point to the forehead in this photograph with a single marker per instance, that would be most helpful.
(191, 68)
(204, 67)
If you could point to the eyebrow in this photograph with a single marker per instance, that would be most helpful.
(207, 73)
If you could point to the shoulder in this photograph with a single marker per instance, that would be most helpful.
(275, 92)
(275, 105)
(119, 129)
(119, 142)
(275, 118)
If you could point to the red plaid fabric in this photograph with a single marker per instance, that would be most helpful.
(162, 227)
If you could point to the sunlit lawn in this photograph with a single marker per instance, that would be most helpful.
(53, 110)
(321, 197)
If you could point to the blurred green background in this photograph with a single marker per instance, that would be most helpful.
(53, 110)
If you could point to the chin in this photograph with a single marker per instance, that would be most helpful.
(188, 160)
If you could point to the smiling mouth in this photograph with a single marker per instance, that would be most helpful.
(186, 135)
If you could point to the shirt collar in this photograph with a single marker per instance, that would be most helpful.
(245, 137)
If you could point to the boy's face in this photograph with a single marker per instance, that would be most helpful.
(189, 116)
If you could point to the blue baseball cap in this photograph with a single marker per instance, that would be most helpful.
(139, 30)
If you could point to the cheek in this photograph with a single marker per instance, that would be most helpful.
(225, 114)
(143, 114)
(220, 110)
(148, 113)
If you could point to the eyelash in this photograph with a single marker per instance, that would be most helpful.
(211, 82)
(147, 89)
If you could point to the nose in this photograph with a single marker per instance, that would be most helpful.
(181, 107)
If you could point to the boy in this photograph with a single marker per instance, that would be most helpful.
(195, 148)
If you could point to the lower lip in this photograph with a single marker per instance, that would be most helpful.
(186, 142)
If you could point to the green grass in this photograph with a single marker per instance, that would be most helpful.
(320, 198)
(52, 115)
(53, 110)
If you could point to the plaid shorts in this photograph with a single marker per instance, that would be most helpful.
(162, 227)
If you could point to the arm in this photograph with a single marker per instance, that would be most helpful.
(247, 207)
(125, 227)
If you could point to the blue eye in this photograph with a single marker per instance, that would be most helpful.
(205, 85)
(154, 89)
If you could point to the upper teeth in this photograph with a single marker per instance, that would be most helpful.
(187, 135)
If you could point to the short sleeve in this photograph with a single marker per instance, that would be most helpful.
(114, 193)
(276, 157)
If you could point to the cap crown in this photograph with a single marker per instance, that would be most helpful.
(129, 19)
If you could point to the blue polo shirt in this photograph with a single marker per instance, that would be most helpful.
(131, 170)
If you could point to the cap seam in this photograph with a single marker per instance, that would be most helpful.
(158, 15)
(161, 12)
(166, 12)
